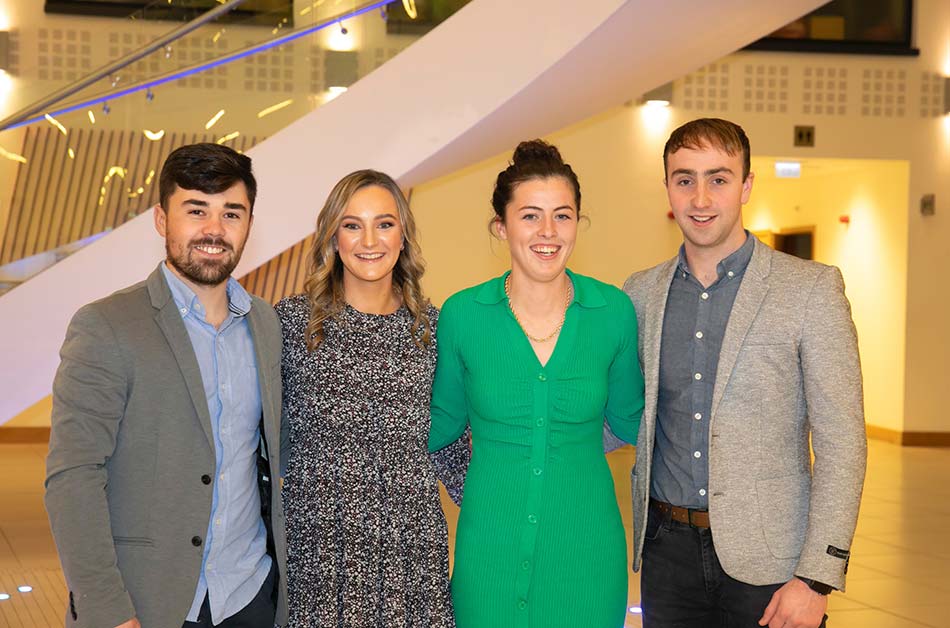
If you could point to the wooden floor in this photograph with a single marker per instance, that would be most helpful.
(898, 577)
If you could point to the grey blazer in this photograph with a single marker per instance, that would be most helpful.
(788, 370)
(131, 458)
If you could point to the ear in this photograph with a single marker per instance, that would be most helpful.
(747, 188)
(336, 247)
(161, 220)
(498, 225)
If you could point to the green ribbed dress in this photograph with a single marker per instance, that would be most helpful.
(540, 542)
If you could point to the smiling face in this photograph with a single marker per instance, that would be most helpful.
(204, 233)
(369, 238)
(707, 192)
(540, 226)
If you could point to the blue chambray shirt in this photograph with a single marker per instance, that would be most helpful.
(693, 329)
(235, 561)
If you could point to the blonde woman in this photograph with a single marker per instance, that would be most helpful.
(367, 541)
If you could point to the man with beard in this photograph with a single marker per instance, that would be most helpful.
(166, 426)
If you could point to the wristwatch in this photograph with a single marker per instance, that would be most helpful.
(817, 587)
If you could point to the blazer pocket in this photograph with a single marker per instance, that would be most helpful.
(783, 511)
(133, 540)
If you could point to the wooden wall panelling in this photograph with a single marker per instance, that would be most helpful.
(90, 208)
(8, 237)
(50, 233)
(104, 204)
(45, 206)
(33, 184)
(79, 182)
(88, 189)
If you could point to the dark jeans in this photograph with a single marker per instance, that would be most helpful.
(259, 613)
(682, 584)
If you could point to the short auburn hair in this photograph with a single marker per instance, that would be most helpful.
(713, 133)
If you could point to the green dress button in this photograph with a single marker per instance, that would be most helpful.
(537, 470)
(542, 377)
(532, 519)
(522, 605)
(525, 565)
(540, 422)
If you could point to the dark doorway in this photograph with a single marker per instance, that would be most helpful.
(800, 244)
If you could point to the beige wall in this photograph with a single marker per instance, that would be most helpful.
(871, 252)
(617, 155)
(617, 159)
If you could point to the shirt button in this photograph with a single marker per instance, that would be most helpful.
(704, 295)
(532, 519)
(196, 541)
(702, 491)
(698, 416)
(537, 470)
(206, 479)
(542, 377)
(731, 274)
(217, 522)
(698, 376)
(697, 454)
(221, 477)
(183, 310)
(699, 334)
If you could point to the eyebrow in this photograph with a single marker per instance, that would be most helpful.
(533, 207)
(378, 217)
(194, 202)
(712, 171)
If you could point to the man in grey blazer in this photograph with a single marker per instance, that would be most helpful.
(748, 354)
(166, 426)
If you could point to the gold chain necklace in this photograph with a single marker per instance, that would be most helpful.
(567, 304)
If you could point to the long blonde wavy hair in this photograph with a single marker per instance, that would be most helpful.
(324, 285)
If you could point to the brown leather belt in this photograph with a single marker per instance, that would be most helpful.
(695, 518)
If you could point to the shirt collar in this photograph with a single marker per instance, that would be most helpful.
(239, 301)
(493, 291)
(735, 263)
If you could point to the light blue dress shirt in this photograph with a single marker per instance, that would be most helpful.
(235, 561)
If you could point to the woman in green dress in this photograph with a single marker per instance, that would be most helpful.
(534, 361)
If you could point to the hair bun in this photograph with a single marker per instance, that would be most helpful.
(531, 151)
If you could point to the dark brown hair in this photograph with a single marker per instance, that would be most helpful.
(710, 132)
(533, 159)
(208, 168)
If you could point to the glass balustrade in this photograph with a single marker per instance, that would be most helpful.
(88, 163)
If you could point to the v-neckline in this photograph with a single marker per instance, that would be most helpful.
(566, 336)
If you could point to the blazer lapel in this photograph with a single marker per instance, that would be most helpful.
(168, 319)
(744, 310)
(652, 335)
(259, 333)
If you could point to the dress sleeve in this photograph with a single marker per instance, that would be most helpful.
(625, 379)
(290, 372)
(449, 407)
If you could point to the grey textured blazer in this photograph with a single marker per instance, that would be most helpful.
(788, 369)
(131, 457)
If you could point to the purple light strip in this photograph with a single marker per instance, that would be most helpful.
(297, 34)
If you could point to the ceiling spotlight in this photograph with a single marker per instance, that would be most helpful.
(106, 108)
(4, 596)
(115, 79)
(168, 52)
(24, 588)
(149, 95)
(343, 30)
